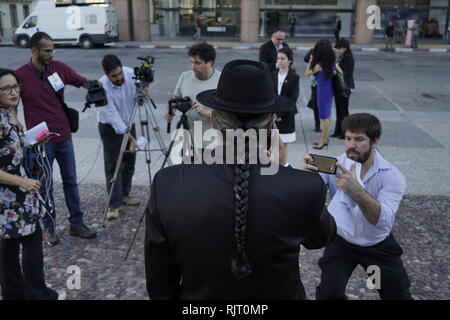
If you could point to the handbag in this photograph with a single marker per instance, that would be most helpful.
(312, 103)
(72, 114)
(340, 87)
(73, 117)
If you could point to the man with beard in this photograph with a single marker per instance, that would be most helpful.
(43, 83)
(365, 194)
(113, 121)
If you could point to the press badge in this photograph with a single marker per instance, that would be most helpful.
(56, 82)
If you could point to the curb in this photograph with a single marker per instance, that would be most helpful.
(253, 47)
(299, 48)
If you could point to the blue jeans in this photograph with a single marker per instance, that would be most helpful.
(64, 154)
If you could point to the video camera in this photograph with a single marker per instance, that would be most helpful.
(145, 72)
(95, 95)
(183, 104)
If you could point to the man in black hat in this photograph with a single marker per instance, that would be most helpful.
(242, 240)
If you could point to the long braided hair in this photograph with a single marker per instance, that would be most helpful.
(240, 265)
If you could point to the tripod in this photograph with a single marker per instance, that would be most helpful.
(184, 124)
(142, 102)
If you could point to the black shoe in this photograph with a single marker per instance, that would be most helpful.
(317, 147)
(341, 137)
(83, 232)
(335, 135)
(317, 129)
(50, 237)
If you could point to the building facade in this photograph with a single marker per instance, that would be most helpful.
(12, 14)
(251, 19)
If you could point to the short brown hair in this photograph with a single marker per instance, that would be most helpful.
(363, 123)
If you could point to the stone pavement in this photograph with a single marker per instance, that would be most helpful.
(421, 229)
(410, 93)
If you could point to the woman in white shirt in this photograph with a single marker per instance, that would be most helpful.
(286, 83)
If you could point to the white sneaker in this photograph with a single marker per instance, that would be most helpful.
(62, 294)
(112, 214)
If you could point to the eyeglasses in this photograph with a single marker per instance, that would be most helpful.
(9, 89)
(280, 39)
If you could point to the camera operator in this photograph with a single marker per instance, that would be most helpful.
(366, 205)
(203, 76)
(113, 121)
(43, 83)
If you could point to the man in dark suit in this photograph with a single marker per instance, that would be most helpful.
(268, 51)
(228, 231)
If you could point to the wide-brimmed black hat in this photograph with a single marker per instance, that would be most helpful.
(245, 86)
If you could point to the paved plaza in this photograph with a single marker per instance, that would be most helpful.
(408, 92)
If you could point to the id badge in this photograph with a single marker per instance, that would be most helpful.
(56, 82)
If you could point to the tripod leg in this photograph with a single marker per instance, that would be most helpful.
(123, 146)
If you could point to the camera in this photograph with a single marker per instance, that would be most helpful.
(145, 72)
(182, 104)
(95, 95)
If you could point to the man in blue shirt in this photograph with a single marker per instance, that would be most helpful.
(365, 195)
(113, 121)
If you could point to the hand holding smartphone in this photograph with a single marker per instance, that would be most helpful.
(324, 164)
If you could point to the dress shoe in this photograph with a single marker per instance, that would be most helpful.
(50, 237)
(112, 214)
(82, 231)
(320, 147)
(129, 201)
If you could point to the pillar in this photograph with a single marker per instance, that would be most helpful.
(363, 35)
(138, 29)
(249, 21)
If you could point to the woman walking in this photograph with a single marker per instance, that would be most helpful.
(20, 208)
(286, 83)
(346, 64)
(321, 64)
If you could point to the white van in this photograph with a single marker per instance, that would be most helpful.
(81, 24)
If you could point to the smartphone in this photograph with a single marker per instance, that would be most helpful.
(324, 163)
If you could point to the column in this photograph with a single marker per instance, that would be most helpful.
(138, 29)
(141, 20)
(363, 35)
(249, 20)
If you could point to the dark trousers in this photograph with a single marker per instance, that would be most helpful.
(64, 154)
(336, 34)
(341, 258)
(111, 150)
(341, 113)
(29, 284)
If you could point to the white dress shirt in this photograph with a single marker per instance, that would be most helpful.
(121, 101)
(386, 184)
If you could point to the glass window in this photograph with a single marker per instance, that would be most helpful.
(91, 19)
(31, 22)
(26, 11)
(13, 14)
(302, 2)
(404, 2)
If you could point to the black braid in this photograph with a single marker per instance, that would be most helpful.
(240, 265)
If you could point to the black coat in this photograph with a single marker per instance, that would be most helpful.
(291, 90)
(189, 242)
(347, 64)
(268, 54)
